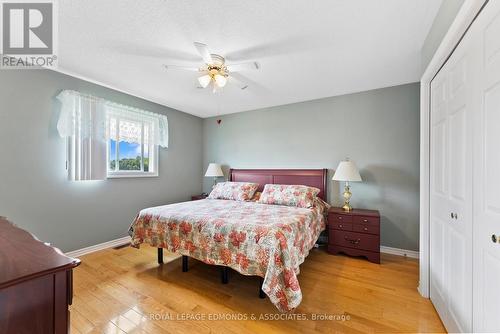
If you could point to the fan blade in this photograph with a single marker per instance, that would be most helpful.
(179, 67)
(204, 53)
(241, 85)
(243, 66)
(246, 82)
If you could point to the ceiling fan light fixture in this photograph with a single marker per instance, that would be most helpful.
(215, 71)
(220, 80)
(204, 80)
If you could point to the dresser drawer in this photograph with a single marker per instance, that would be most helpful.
(332, 218)
(366, 220)
(355, 240)
(365, 228)
(340, 225)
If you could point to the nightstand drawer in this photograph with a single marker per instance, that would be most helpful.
(332, 217)
(366, 220)
(366, 228)
(340, 226)
(356, 240)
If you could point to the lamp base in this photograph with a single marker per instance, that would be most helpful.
(347, 207)
(347, 197)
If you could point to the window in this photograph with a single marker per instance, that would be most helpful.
(109, 140)
(130, 150)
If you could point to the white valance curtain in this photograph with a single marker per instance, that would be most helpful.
(130, 131)
(85, 121)
(88, 116)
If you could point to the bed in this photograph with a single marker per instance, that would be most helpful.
(269, 241)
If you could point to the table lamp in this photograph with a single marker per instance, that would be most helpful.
(348, 172)
(214, 171)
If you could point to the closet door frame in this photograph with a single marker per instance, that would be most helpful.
(467, 14)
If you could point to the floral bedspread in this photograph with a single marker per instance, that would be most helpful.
(264, 240)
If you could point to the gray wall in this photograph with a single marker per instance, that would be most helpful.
(34, 191)
(378, 129)
(444, 18)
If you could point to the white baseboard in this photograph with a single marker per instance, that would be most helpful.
(399, 251)
(125, 240)
(98, 247)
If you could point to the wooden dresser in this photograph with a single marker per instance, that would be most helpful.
(35, 284)
(355, 233)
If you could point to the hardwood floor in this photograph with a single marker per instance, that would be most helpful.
(126, 291)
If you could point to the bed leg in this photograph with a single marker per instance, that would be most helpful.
(224, 275)
(184, 263)
(160, 255)
(262, 295)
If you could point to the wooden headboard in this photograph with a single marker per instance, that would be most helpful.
(307, 177)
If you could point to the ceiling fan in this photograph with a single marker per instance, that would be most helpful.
(215, 71)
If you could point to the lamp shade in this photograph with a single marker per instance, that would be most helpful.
(214, 170)
(347, 171)
(220, 80)
(204, 80)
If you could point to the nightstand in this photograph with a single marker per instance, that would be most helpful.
(355, 233)
(198, 197)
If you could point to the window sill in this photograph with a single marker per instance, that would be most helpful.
(131, 175)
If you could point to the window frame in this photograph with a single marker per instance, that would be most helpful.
(154, 151)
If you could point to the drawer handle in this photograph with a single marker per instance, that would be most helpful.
(352, 241)
(365, 229)
(341, 226)
(340, 218)
(365, 220)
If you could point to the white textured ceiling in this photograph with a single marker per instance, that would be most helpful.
(306, 49)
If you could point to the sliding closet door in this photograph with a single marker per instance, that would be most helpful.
(438, 194)
(451, 195)
(487, 170)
